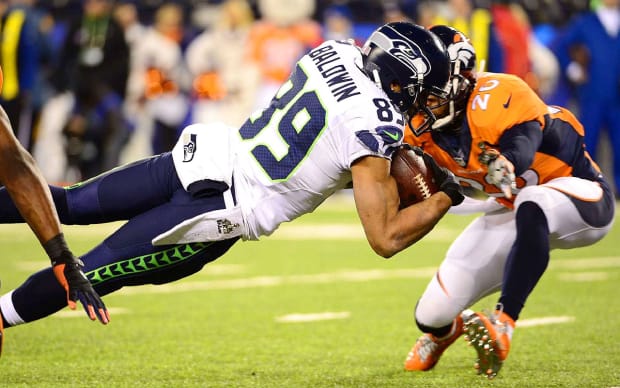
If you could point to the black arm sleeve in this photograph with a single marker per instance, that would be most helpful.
(519, 144)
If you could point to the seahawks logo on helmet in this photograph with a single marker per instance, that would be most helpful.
(406, 51)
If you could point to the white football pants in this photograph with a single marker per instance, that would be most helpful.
(474, 264)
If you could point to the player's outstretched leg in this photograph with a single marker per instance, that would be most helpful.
(490, 335)
(429, 348)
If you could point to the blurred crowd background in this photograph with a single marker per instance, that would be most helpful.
(91, 84)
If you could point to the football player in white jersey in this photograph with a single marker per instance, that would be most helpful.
(335, 122)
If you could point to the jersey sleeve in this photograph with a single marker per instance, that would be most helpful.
(379, 139)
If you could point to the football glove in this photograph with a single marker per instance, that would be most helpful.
(502, 174)
(445, 179)
(68, 271)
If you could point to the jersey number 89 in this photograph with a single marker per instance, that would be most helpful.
(299, 140)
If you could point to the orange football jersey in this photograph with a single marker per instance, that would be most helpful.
(498, 103)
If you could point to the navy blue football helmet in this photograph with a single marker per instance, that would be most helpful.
(408, 62)
(462, 81)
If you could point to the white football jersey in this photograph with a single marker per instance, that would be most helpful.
(298, 151)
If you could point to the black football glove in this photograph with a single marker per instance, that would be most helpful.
(444, 178)
(68, 271)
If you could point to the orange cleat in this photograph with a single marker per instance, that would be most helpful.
(428, 348)
(490, 336)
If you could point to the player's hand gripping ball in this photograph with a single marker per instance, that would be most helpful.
(414, 179)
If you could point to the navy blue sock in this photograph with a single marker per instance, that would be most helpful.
(527, 260)
(39, 296)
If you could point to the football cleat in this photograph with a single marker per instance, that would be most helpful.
(428, 348)
(490, 336)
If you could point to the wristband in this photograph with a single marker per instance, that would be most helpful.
(57, 249)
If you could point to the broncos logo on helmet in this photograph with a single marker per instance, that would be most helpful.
(462, 81)
(461, 51)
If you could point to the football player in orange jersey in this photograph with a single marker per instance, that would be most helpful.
(545, 192)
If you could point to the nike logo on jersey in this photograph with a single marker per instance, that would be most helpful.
(507, 102)
(394, 136)
(390, 134)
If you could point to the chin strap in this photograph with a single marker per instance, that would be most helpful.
(453, 92)
(376, 79)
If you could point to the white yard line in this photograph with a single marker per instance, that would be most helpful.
(322, 316)
(312, 317)
(583, 276)
(272, 281)
(589, 263)
(79, 312)
(542, 321)
(345, 231)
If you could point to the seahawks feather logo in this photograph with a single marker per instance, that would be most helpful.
(189, 148)
(407, 52)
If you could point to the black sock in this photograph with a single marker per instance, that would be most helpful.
(527, 260)
(438, 332)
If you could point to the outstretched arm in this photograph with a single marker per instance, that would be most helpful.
(30, 193)
(388, 229)
(26, 185)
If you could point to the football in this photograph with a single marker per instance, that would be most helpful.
(414, 180)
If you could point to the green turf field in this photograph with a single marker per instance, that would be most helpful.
(311, 306)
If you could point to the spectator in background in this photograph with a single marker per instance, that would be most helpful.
(544, 67)
(25, 50)
(589, 54)
(284, 34)
(224, 81)
(477, 24)
(513, 30)
(159, 80)
(126, 14)
(338, 23)
(138, 146)
(93, 66)
(392, 12)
